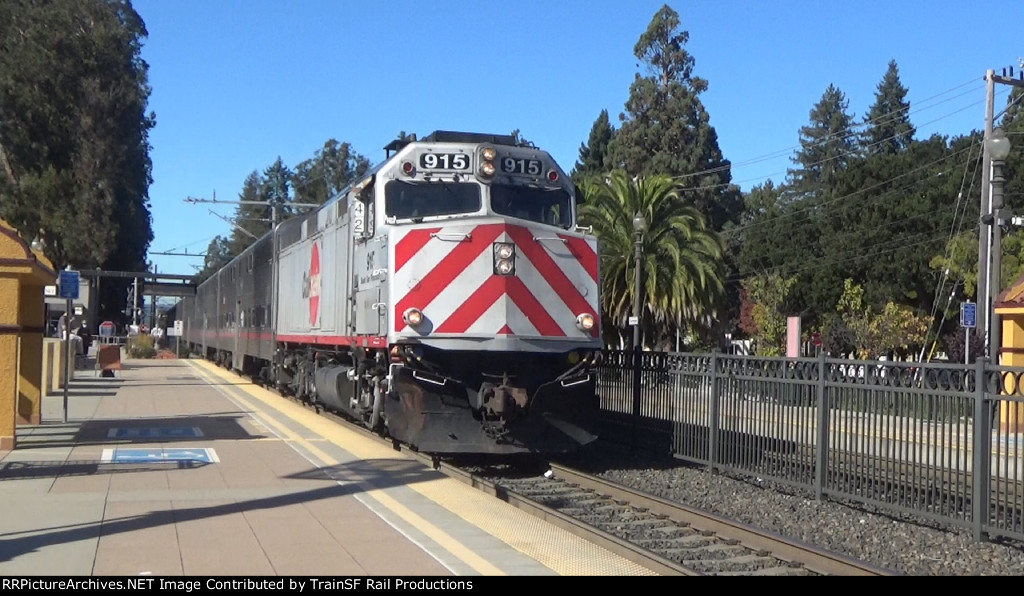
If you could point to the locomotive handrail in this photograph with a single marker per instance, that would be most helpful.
(573, 382)
(452, 236)
(540, 238)
(418, 376)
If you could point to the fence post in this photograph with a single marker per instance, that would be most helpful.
(820, 468)
(715, 408)
(981, 444)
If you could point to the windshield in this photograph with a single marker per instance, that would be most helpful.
(543, 205)
(406, 200)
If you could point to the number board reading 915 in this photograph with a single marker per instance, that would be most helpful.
(444, 161)
(518, 165)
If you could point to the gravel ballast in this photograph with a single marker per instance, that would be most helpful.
(905, 545)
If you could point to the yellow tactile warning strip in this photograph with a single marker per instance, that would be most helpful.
(553, 547)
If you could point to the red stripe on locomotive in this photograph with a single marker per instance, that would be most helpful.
(445, 272)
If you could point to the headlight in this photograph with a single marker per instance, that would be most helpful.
(585, 321)
(504, 258)
(487, 156)
(412, 316)
(504, 250)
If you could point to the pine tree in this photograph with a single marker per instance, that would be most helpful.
(889, 130)
(251, 221)
(331, 169)
(593, 155)
(665, 128)
(826, 147)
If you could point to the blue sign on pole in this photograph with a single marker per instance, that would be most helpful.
(69, 284)
(968, 314)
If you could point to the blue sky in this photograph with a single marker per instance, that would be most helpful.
(238, 83)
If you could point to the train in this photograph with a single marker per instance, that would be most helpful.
(446, 299)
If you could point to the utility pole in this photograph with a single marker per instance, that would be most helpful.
(985, 232)
(990, 236)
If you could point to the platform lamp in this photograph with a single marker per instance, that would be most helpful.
(639, 229)
(998, 148)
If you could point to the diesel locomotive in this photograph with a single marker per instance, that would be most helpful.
(446, 299)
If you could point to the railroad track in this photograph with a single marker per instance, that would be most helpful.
(669, 538)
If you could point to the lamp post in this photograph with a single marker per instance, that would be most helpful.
(639, 228)
(998, 148)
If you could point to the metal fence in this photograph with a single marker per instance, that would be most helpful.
(927, 439)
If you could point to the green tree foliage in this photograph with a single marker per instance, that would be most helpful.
(1012, 124)
(894, 330)
(766, 295)
(809, 198)
(960, 261)
(759, 239)
(252, 219)
(74, 148)
(272, 192)
(594, 154)
(681, 258)
(827, 144)
(218, 254)
(666, 130)
(519, 139)
(331, 169)
(888, 129)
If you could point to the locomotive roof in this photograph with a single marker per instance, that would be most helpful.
(450, 136)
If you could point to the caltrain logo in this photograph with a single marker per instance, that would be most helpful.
(311, 285)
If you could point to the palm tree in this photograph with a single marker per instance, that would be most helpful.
(682, 259)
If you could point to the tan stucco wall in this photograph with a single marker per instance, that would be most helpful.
(1011, 415)
(9, 298)
(23, 275)
(30, 374)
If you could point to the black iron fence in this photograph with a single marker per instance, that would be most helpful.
(943, 441)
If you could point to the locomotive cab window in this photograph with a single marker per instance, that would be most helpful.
(551, 206)
(416, 200)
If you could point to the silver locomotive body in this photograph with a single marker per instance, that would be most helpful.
(446, 299)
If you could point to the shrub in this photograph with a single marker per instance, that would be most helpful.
(141, 346)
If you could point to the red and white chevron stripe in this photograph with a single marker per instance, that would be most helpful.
(447, 273)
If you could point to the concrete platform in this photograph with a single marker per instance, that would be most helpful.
(177, 467)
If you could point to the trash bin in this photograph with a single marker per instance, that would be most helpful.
(108, 359)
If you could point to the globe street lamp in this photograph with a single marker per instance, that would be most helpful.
(998, 148)
(639, 228)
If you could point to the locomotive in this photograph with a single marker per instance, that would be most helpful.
(446, 299)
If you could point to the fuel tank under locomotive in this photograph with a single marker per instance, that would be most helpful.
(335, 388)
